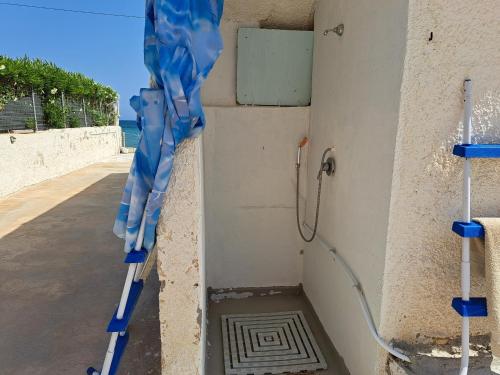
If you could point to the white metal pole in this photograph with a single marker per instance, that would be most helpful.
(464, 365)
(138, 244)
(63, 102)
(123, 300)
(109, 354)
(467, 111)
(132, 270)
(84, 112)
(34, 109)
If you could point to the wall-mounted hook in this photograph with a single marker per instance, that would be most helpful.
(339, 30)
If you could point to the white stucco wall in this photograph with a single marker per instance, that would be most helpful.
(423, 256)
(390, 102)
(251, 236)
(36, 157)
(179, 245)
(355, 107)
(292, 14)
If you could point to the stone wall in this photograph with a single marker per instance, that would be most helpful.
(26, 159)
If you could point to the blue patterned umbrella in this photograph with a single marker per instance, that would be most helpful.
(181, 44)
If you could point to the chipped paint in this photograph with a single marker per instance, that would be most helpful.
(231, 295)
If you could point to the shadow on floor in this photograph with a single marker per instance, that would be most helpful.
(61, 276)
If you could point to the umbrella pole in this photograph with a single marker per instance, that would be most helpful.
(133, 274)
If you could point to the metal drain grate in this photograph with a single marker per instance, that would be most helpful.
(271, 343)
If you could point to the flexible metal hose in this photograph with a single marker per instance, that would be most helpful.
(318, 198)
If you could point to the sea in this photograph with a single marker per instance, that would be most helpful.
(130, 133)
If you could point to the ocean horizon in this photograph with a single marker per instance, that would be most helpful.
(130, 133)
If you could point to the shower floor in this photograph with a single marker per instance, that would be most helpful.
(258, 301)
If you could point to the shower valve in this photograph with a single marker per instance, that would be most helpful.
(327, 167)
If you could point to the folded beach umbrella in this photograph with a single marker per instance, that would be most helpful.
(182, 43)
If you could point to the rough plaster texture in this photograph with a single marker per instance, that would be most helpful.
(441, 356)
(422, 271)
(285, 14)
(249, 156)
(220, 88)
(36, 157)
(179, 243)
(355, 107)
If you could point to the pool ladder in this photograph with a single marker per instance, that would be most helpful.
(465, 305)
(119, 322)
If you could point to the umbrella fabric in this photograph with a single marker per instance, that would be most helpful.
(181, 44)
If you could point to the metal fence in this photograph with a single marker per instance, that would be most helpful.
(27, 113)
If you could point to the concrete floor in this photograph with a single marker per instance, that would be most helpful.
(61, 275)
(259, 301)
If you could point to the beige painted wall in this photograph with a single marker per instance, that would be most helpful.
(36, 157)
(249, 156)
(355, 106)
(423, 256)
(249, 161)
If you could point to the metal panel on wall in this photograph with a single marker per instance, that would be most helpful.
(274, 67)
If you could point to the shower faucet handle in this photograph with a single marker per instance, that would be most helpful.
(327, 167)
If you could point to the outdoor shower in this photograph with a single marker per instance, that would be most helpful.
(326, 166)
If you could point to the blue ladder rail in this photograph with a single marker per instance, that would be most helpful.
(477, 150)
(120, 326)
(473, 308)
(138, 256)
(468, 230)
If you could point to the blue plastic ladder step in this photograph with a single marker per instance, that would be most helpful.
(477, 150)
(121, 344)
(137, 256)
(468, 230)
(475, 307)
(120, 325)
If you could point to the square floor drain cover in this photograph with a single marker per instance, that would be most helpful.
(273, 343)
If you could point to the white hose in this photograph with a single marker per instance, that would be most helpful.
(361, 298)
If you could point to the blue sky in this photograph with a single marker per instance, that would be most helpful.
(107, 49)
